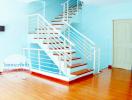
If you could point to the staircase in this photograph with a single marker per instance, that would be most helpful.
(74, 54)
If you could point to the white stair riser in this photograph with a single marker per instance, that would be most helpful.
(74, 62)
(58, 45)
(76, 77)
(51, 41)
(67, 56)
(58, 26)
(47, 31)
(78, 68)
(45, 35)
(57, 22)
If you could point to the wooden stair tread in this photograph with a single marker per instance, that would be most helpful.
(70, 10)
(63, 54)
(75, 58)
(76, 65)
(61, 17)
(48, 28)
(48, 38)
(44, 33)
(81, 72)
(57, 24)
(69, 14)
(74, 9)
(66, 14)
(58, 20)
(48, 33)
(71, 52)
(55, 28)
(52, 42)
(58, 48)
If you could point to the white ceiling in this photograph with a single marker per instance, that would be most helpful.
(104, 2)
(89, 2)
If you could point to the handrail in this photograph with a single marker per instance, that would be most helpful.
(80, 34)
(52, 27)
(89, 54)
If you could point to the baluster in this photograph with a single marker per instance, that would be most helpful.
(94, 59)
(38, 27)
(85, 52)
(64, 11)
(47, 37)
(67, 11)
(59, 59)
(24, 56)
(77, 6)
(39, 59)
(29, 58)
(99, 60)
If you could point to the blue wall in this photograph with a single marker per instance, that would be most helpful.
(53, 8)
(96, 23)
(12, 15)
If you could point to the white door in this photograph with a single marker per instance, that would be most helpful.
(122, 44)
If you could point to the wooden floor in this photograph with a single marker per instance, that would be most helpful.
(115, 84)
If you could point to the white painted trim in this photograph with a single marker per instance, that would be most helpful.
(76, 77)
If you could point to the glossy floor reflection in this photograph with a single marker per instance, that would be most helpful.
(115, 84)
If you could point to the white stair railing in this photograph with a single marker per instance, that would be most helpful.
(87, 49)
(40, 32)
(70, 7)
(43, 33)
(37, 23)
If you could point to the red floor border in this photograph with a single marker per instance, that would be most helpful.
(50, 78)
(109, 66)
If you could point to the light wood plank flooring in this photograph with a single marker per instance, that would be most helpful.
(115, 84)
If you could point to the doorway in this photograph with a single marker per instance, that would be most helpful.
(122, 44)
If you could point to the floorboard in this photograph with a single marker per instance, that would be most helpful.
(114, 84)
